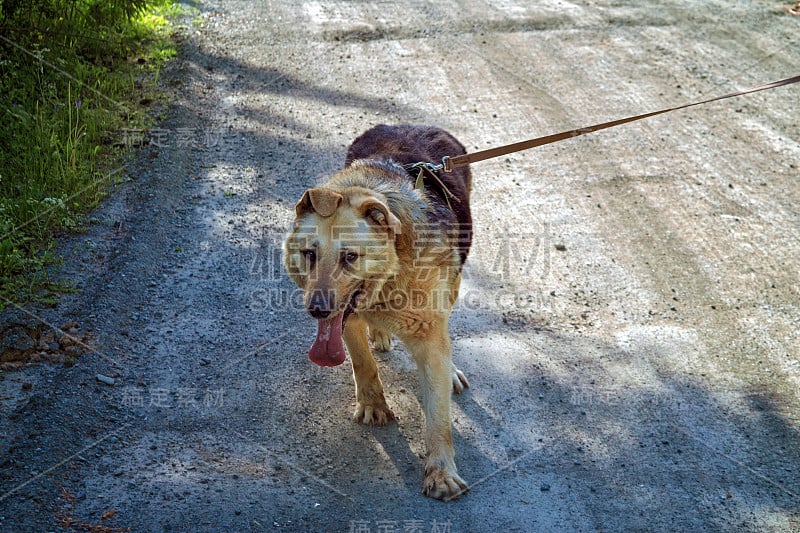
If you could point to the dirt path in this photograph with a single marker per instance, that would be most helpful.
(629, 319)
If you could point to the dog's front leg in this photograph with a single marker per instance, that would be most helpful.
(432, 355)
(371, 407)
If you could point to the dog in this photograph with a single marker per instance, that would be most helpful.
(378, 252)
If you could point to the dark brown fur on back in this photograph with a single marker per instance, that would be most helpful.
(406, 144)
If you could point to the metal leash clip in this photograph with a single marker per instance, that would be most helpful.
(431, 169)
(424, 165)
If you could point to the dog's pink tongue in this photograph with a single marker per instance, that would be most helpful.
(328, 349)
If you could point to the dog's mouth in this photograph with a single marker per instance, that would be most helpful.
(328, 348)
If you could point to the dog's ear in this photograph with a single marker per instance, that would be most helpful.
(322, 201)
(377, 212)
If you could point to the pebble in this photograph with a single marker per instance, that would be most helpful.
(105, 379)
(545, 487)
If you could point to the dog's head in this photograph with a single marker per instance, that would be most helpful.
(340, 252)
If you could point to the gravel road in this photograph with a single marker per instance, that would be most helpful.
(628, 320)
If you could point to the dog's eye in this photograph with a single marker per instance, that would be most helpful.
(350, 258)
(310, 254)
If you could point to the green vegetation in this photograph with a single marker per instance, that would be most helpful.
(74, 75)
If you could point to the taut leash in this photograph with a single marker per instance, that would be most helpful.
(448, 163)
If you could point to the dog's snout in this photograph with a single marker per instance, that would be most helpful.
(319, 305)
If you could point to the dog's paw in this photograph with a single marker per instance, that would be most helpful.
(443, 484)
(459, 380)
(373, 414)
(381, 340)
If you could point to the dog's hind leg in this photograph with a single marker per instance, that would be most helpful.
(381, 339)
(459, 379)
(371, 407)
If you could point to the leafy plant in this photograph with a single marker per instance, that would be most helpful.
(72, 75)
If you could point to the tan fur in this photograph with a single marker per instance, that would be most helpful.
(409, 270)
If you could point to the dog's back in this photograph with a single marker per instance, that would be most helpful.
(408, 144)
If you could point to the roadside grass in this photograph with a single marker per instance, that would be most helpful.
(74, 75)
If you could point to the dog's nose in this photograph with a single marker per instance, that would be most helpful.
(318, 305)
(319, 313)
